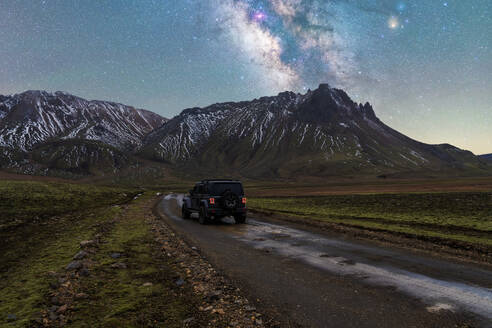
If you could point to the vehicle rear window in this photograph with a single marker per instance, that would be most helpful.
(219, 188)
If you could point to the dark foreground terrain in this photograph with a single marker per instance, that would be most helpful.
(305, 277)
(77, 255)
(85, 255)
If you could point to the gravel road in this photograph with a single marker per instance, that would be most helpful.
(310, 278)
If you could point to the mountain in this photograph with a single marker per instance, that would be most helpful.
(486, 157)
(320, 133)
(34, 117)
(58, 133)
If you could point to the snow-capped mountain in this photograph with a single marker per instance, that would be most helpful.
(322, 132)
(61, 134)
(33, 117)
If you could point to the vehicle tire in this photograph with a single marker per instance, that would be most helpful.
(203, 218)
(185, 214)
(240, 219)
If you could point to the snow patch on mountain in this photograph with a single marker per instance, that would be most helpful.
(33, 117)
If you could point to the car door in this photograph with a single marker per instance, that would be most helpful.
(201, 194)
(195, 198)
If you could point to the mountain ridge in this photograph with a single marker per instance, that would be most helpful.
(487, 157)
(319, 133)
(45, 133)
(35, 116)
(322, 132)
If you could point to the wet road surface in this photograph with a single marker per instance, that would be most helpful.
(315, 280)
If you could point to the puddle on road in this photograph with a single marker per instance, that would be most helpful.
(370, 264)
(322, 252)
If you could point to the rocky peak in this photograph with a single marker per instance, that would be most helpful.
(367, 110)
(326, 104)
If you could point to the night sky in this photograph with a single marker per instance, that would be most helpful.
(425, 65)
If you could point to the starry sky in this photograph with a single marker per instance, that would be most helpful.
(425, 65)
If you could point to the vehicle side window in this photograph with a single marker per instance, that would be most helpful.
(195, 190)
(201, 189)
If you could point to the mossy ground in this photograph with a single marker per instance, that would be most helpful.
(33, 249)
(29, 253)
(124, 297)
(460, 216)
(25, 201)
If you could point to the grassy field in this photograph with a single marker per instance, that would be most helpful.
(42, 225)
(460, 216)
(23, 201)
(345, 186)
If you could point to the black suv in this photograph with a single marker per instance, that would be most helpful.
(214, 199)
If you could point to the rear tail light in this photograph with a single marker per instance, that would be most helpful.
(244, 200)
(211, 201)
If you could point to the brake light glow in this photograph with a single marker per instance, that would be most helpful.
(244, 200)
(211, 201)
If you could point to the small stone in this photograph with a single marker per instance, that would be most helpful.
(115, 255)
(62, 309)
(87, 243)
(219, 311)
(259, 321)
(147, 284)
(75, 265)
(179, 282)
(250, 308)
(215, 295)
(11, 317)
(208, 308)
(80, 255)
(194, 248)
(84, 272)
(53, 308)
(118, 265)
(81, 296)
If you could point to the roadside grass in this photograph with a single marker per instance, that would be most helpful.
(41, 225)
(118, 297)
(361, 185)
(460, 216)
(25, 201)
(28, 257)
(35, 252)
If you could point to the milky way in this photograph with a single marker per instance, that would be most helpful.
(425, 65)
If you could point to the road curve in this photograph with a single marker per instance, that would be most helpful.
(312, 279)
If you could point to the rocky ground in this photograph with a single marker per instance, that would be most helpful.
(174, 286)
(218, 295)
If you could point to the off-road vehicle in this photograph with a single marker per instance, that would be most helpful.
(215, 199)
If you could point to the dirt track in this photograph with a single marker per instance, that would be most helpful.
(306, 278)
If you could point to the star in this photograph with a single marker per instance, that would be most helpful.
(393, 22)
(259, 16)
